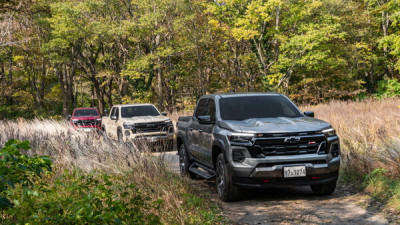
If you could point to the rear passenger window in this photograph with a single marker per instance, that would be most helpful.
(201, 108)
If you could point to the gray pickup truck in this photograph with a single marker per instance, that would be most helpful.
(257, 140)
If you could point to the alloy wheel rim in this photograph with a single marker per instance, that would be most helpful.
(220, 178)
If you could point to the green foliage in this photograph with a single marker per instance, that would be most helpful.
(19, 169)
(96, 53)
(388, 88)
(83, 199)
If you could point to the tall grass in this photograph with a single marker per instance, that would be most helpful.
(369, 133)
(73, 150)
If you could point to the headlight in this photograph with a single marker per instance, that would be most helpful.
(329, 132)
(74, 120)
(168, 122)
(240, 137)
(98, 120)
(129, 125)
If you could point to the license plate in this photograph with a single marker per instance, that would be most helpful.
(294, 171)
(87, 130)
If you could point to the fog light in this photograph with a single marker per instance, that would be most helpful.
(127, 133)
(238, 155)
(171, 130)
(335, 150)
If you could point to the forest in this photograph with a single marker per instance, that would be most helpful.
(56, 55)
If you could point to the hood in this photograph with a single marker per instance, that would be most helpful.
(85, 117)
(276, 125)
(146, 119)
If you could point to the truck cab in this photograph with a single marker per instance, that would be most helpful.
(257, 140)
(86, 119)
(138, 122)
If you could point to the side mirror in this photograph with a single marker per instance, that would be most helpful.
(113, 117)
(205, 119)
(309, 113)
(105, 112)
(164, 113)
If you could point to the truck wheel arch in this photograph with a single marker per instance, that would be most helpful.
(179, 142)
(218, 148)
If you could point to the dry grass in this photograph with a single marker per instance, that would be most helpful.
(70, 149)
(369, 133)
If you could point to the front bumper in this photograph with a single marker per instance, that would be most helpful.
(87, 128)
(150, 137)
(268, 171)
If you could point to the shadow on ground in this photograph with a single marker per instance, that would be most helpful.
(296, 205)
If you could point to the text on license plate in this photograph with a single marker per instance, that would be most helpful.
(294, 171)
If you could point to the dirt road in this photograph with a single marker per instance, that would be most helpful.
(291, 205)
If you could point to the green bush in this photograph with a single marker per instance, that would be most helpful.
(388, 88)
(28, 197)
(17, 168)
(83, 199)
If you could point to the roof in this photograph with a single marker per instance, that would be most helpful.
(133, 104)
(241, 94)
(86, 108)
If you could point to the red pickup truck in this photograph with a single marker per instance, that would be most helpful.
(86, 119)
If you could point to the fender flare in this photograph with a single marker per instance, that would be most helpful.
(220, 144)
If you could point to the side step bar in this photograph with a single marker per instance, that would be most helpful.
(204, 173)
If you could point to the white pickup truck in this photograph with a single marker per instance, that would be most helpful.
(138, 122)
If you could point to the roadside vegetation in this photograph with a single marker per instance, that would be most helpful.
(369, 132)
(90, 180)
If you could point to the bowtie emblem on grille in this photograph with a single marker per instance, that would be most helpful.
(292, 139)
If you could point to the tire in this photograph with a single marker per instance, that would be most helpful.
(120, 137)
(184, 163)
(323, 189)
(103, 132)
(227, 191)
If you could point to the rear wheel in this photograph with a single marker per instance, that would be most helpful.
(324, 189)
(184, 163)
(227, 191)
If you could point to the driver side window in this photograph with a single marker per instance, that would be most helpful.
(114, 112)
(201, 108)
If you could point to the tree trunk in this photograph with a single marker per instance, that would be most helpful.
(64, 92)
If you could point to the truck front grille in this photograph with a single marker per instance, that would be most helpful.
(150, 127)
(288, 145)
(86, 123)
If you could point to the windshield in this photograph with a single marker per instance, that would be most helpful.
(247, 107)
(145, 110)
(86, 112)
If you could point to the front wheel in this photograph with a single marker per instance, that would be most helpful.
(227, 191)
(324, 189)
(184, 163)
(120, 137)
